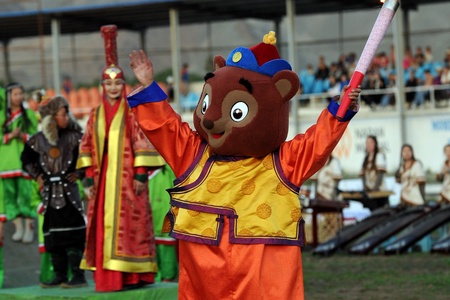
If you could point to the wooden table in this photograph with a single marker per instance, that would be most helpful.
(371, 200)
(323, 206)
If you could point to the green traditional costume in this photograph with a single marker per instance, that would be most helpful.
(166, 257)
(16, 182)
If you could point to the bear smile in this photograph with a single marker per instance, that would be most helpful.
(217, 135)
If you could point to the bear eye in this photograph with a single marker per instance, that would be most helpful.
(205, 104)
(239, 111)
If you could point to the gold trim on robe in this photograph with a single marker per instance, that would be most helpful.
(84, 160)
(148, 158)
(113, 257)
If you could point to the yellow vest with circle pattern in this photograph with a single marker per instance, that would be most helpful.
(262, 205)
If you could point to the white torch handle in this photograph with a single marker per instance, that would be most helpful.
(376, 35)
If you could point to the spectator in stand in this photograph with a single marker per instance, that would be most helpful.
(373, 82)
(392, 57)
(411, 176)
(437, 78)
(389, 98)
(445, 79)
(428, 54)
(419, 65)
(322, 71)
(335, 71)
(342, 63)
(423, 94)
(411, 82)
(447, 57)
(419, 51)
(344, 80)
(445, 76)
(334, 89)
(381, 60)
(438, 93)
(307, 78)
(407, 59)
(351, 58)
(351, 63)
(384, 60)
(321, 77)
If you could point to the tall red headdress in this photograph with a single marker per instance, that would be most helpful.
(112, 69)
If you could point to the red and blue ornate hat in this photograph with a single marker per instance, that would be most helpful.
(262, 58)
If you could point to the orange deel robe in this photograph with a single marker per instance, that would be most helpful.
(237, 271)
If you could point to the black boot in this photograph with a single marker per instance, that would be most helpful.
(60, 263)
(78, 280)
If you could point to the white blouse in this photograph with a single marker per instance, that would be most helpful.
(371, 175)
(445, 192)
(327, 178)
(410, 180)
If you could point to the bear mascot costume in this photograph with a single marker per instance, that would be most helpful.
(235, 208)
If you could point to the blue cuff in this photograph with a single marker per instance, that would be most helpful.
(152, 93)
(333, 108)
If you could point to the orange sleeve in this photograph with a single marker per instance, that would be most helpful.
(306, 154)
(173, 139)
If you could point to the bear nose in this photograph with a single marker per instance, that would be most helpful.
(208, 124)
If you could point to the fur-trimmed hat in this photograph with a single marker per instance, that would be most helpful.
(50, 106)
(48, 109)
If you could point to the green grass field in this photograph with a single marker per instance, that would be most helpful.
(403, 277)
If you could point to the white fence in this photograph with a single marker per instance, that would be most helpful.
(321, 100)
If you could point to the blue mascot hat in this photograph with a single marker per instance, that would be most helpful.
(262, 58)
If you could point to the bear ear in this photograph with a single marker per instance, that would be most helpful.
(219, 62)
(287, 84)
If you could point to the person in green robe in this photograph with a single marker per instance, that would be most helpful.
(159, 181)
(2, 206)
(17, 125)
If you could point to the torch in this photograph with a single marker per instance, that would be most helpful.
(376, 35)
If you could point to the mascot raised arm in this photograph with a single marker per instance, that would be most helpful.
(234, 207)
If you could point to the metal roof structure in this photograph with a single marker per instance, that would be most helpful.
(137, 15)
